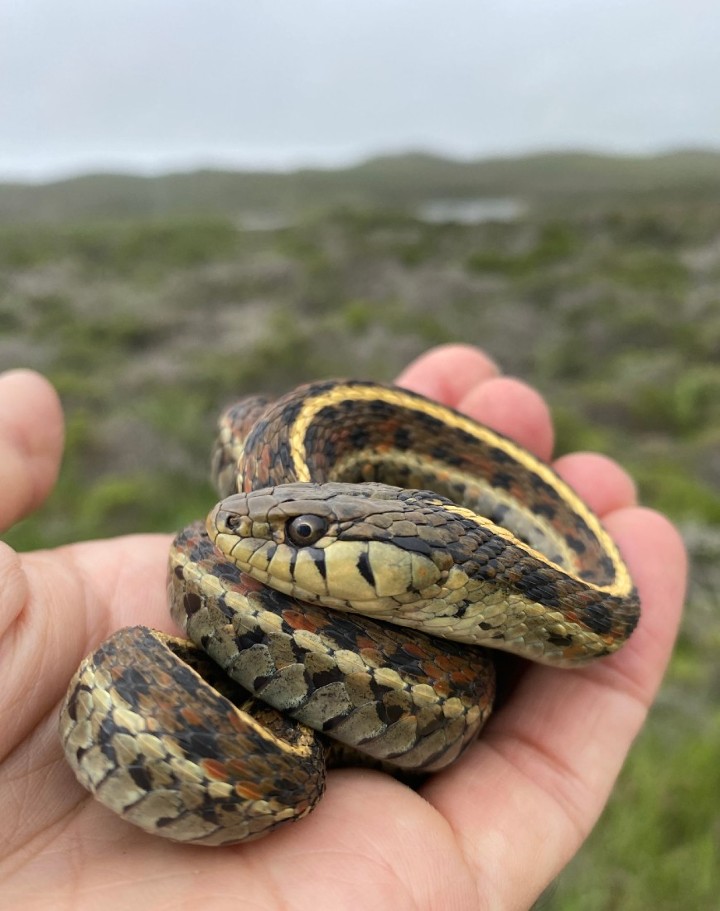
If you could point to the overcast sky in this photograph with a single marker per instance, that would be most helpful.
(165, 84)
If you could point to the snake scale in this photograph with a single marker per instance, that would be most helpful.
(368, 545)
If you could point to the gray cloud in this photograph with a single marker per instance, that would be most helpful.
(158, 84)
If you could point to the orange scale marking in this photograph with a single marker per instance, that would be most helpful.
(192, 717)
(248, 790)
(415, 651)
(214, 769)
(250, 584)
(298, 620)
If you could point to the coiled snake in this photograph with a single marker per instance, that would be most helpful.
(327, 533)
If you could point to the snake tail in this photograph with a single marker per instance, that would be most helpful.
(210, 774)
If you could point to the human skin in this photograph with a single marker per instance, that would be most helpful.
(490, 832)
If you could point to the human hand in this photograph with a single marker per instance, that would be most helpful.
(489, 832)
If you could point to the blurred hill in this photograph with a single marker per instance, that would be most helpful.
(398, 182)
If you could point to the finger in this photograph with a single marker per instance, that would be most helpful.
(523, 799)
(31, 441)
(600, 481)
(514, 409)
(465, 378)
(448, 372)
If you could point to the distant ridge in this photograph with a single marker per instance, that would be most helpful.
(391, 181)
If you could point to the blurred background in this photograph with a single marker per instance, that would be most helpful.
(200, 200)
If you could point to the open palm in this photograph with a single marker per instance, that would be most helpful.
(490, 832)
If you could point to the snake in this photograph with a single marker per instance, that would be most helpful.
(340, 605)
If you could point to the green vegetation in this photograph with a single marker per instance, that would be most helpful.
(606, 296)
(392, 183)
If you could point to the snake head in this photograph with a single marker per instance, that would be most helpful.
(346, 546)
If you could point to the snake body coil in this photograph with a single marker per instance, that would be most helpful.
(327, 503)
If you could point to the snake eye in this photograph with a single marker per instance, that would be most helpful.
(304, 530)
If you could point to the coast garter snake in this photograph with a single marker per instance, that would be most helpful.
(368, 545)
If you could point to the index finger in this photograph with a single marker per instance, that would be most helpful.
(31, 441)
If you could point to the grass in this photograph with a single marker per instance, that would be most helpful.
(613, 311)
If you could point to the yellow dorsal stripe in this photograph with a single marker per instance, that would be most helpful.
(397, 397)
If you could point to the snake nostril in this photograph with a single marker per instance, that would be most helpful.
(233, 522)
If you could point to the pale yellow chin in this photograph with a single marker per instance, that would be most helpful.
(348, 575)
